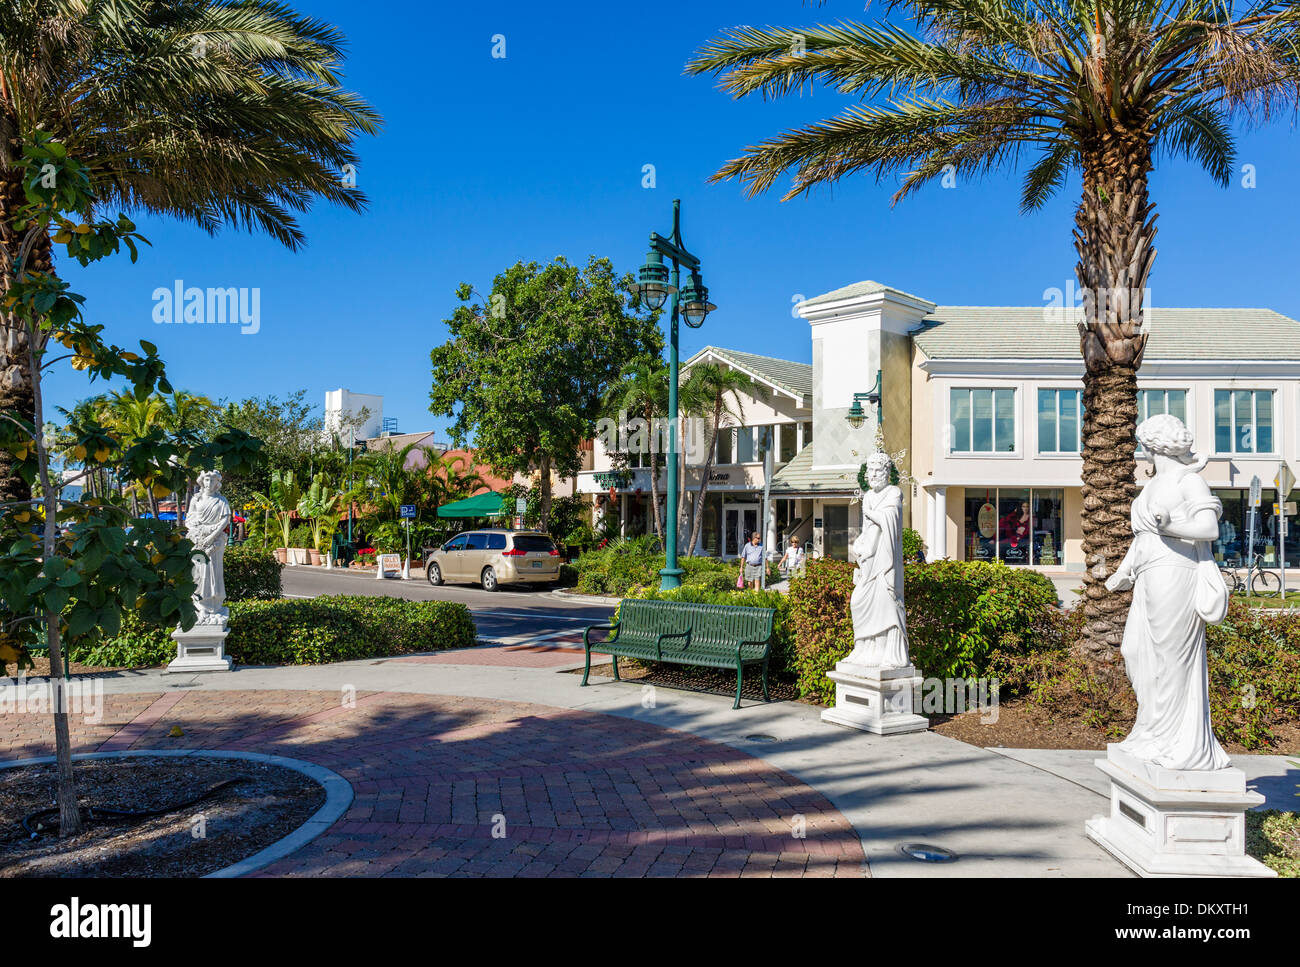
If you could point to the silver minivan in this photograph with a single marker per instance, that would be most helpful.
(493, 558)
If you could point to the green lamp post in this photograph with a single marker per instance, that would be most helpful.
(690, 303)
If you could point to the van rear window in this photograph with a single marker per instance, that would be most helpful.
(531, 543)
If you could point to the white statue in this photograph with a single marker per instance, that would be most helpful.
(879, 622)
(1177, 589)
(206, 524)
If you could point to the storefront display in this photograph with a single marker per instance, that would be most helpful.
(1015, 525)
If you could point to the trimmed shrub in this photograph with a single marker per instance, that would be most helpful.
(568, 576)
(137, 645)
(625, 568)
(1254, 664)
(913, 545)
(958, 614)
(252, 574)
(343, 628)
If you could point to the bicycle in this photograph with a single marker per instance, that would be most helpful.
(1258, 582)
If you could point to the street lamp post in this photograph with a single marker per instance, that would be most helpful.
(692, 305)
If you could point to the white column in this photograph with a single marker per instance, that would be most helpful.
(940, 522)
(929, 524)
(622, 515)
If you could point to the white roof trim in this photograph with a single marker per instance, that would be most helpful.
(709, 352)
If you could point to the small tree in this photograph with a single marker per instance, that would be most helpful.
(642, 390)
(711, 390)
(70, 569)
(525, 370)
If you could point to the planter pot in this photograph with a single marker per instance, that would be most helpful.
(282, 555)
(313, 555)
(297, 555)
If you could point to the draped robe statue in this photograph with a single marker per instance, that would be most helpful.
(879, 622)
(1177, 589)
(206, 522)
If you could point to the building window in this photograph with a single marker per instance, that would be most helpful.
(1154, 402)
(1059, 420)
(1243, 421)
(807, 434)
(762, 442)
(789, 442)
(724, 446)
(983, 420)
(745, 444)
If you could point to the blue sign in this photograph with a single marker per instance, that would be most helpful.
(408, 511)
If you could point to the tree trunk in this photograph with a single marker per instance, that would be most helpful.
(15, 369)
(654, 475)
(697, 515)
(1115, 229)
(545, 466)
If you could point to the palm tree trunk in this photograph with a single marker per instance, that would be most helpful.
(697, 515)
(654, 475)
(1115, 229)
(16, 394)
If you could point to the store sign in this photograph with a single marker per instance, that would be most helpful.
(390, 562)
(720, 477)
(987, 521)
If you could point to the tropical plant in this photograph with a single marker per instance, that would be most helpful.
(714, 392)
(282, 502)
(1099, 87)
(642, 390)
(212, 111)
(317, 506)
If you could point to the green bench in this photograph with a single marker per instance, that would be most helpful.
(713, 635)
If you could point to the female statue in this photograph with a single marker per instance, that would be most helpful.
(206, 522)
(1176, 590)
(879, 624)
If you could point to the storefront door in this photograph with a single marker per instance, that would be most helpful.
(738, 522)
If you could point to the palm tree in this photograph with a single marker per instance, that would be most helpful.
(642, 390)
(130, 420)
(710, 391)
(1100, 88)
(212, 111)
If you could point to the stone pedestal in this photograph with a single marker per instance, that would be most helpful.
(1176, 822)
(875, 700)
(201, 649)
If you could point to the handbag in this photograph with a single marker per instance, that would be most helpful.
(740, 581)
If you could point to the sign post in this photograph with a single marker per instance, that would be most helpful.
(1252, 514)
(1284, 481)
(407, 512)
(767, 510)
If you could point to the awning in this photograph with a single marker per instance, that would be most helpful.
(483, 505)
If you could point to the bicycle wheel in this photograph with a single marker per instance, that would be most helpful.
(1231, 580)
(1265, 584)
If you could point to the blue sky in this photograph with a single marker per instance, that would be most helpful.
(487, 161)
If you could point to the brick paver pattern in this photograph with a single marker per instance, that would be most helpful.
(451, 786)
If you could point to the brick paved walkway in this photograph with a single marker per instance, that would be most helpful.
(567, 793)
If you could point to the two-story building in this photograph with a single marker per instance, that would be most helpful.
(985, 403)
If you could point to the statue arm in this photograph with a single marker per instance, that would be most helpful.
(1197, 519)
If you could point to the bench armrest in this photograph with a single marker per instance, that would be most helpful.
(767, 642)
(586, 635)
(680, 634)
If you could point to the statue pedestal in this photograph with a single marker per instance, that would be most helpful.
(1175, 822)
(875, 700)
(201, 649)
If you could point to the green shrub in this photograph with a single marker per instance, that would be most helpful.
(627, 567)
(958, 614)
(252, 573)
(720, 581)
(1254, 665)
(136, 645)
(913, 545)
(568, 576)
(343, 628)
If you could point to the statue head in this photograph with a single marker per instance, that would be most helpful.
(1164, 435)
(878, 465)
(210, 483)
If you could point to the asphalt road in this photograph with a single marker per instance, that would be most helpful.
(507, 613)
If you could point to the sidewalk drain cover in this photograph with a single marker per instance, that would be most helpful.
(760, 737)
(927, 852)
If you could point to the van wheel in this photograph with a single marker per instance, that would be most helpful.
(434, 574)
(489, 579)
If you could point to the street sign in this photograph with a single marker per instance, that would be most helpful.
(1254, 491)
(407, 511)
(1284, 480)
(521, 506)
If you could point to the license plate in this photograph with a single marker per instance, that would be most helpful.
(537, 563)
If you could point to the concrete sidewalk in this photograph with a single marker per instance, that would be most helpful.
(1004, 812)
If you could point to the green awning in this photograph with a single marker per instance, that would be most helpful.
(483, 505)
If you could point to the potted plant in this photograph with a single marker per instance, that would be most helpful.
(317, 507)
(281, 503)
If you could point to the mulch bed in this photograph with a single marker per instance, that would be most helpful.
(236, 822)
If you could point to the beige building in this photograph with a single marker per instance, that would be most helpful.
(983, 405)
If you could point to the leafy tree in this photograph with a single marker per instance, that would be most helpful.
(212, 111)
(1100, 88)
(70, 569)
(712, 391)
(525, 370)
(642, 391)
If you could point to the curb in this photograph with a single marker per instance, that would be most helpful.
(338, 797)
(585, 598)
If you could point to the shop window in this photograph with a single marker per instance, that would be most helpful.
(1234, 546)
(1059, 420)
(982, 420)
(745, 444)
(724, 456)
(762, 442)
(1015, 525)
(1154, 402)
(1243, 421)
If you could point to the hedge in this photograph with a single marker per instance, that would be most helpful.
(252, 573)
(304, 632)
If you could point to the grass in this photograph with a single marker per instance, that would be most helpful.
(1256, 601)
(1273, 838)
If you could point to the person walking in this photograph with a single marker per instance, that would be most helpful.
(792, 561)
(751, 561)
